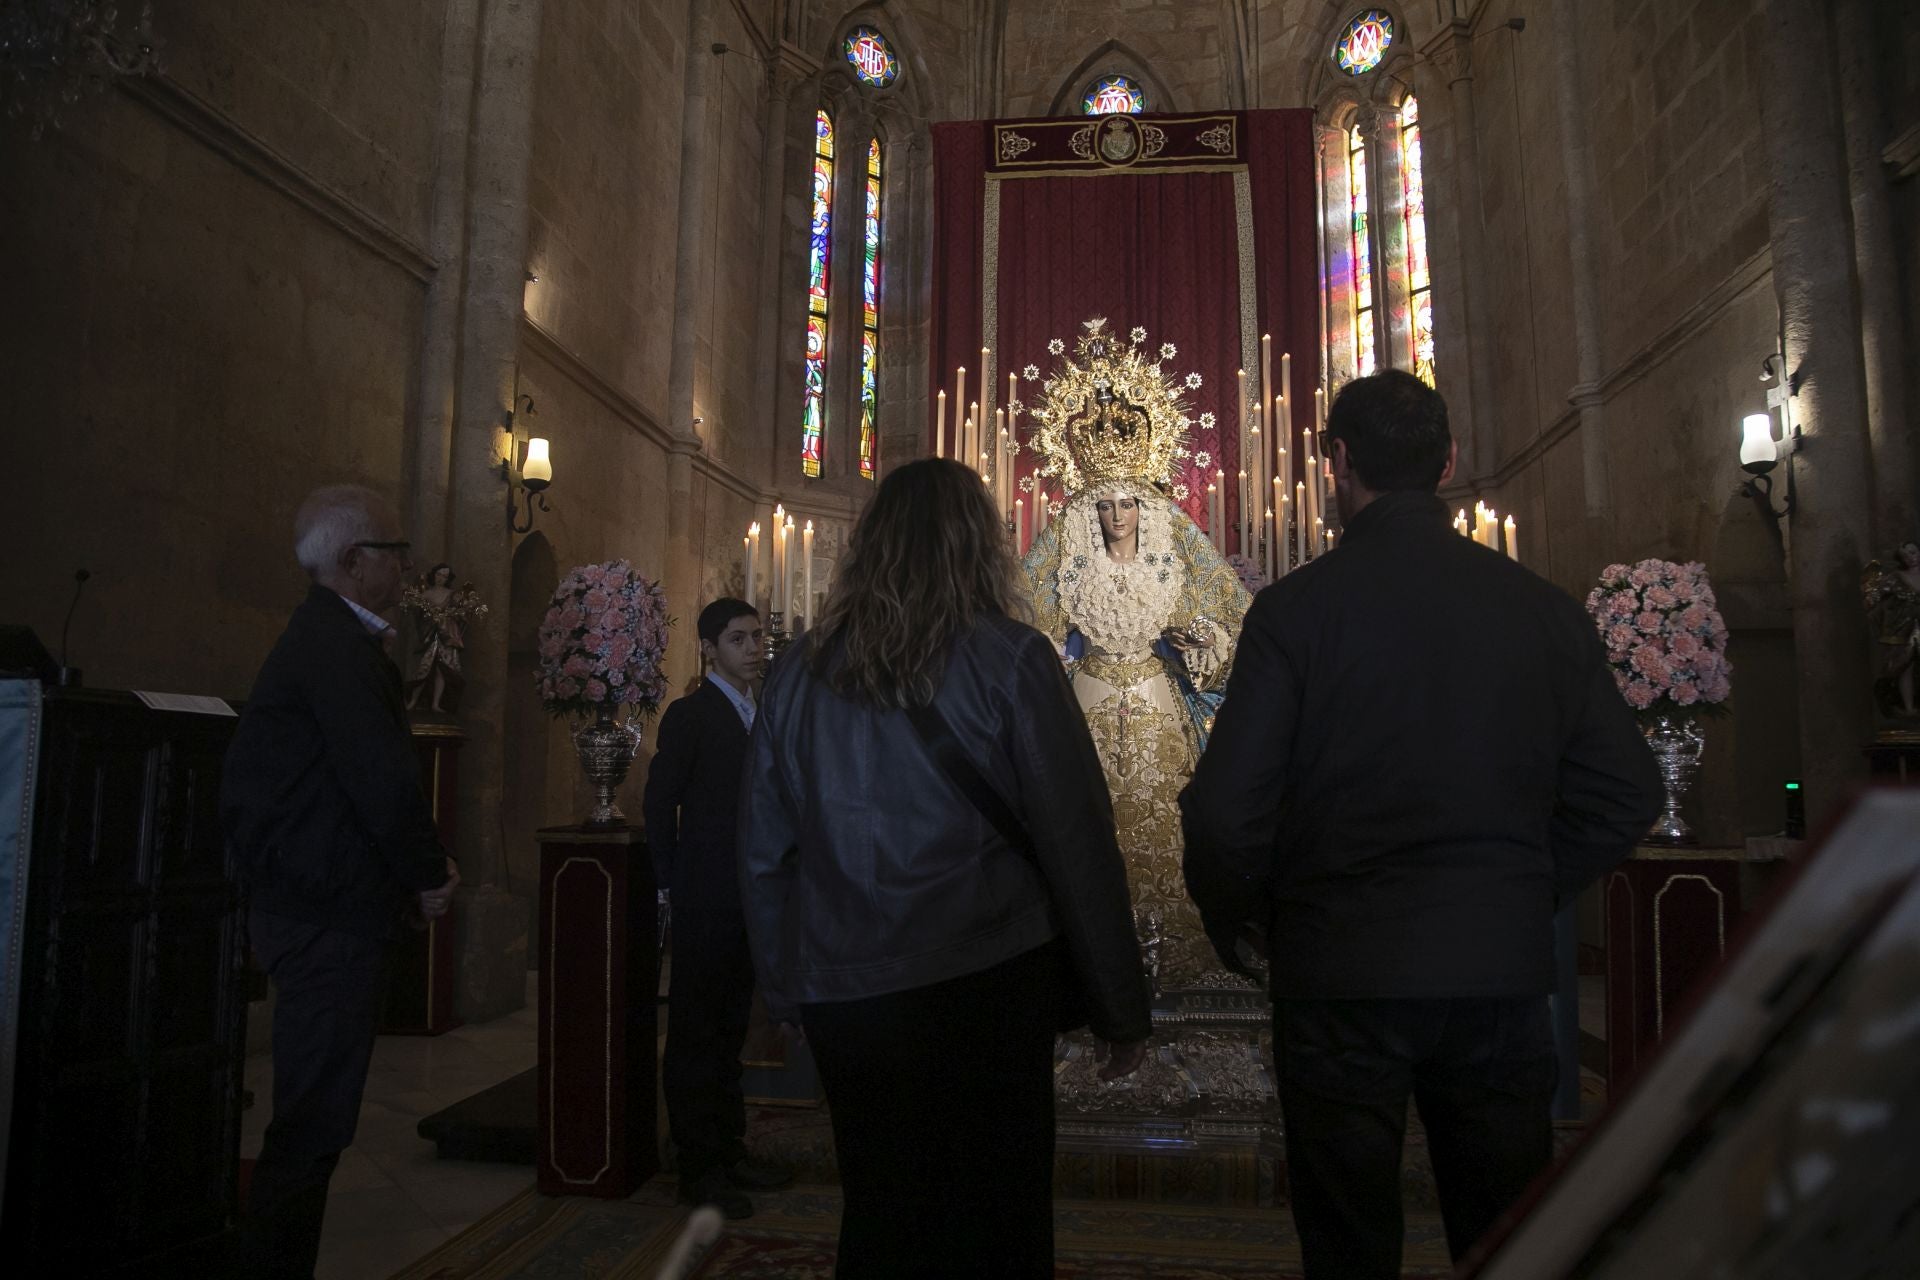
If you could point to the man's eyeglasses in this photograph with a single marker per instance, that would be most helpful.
(1324, 442)
(401, 547)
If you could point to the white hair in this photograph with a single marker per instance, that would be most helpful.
(332, 519)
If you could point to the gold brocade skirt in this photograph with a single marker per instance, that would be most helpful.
(1143, 736)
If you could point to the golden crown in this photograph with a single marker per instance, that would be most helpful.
(1108, 414)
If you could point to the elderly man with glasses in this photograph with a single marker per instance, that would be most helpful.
(322, 805)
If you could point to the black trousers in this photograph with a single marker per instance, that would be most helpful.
(1481, 1072)
(707, 1008)
(327, 992)
(942, 1104)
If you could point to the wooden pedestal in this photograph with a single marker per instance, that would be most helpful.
(420, 985)
(598, 979)
(1668, 913)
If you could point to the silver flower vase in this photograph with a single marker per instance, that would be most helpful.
(606, 748)
(1677, 743)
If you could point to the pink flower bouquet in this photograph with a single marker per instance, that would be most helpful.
(1665, 639)
(602, 642)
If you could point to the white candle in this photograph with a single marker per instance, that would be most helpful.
(1460, 522)
(940, 428)
(746, 559)
(1513, 545)
(974, 423)
(1213, 516)
(1020, 526)
(1273, 555)
(806, 550)
(986, 384)
(960, 453)
(1246, 510)
(1280, 527)
(777, 598)
(1246, 463)
(1266, 369)
(1285, 415)
(1300, 517)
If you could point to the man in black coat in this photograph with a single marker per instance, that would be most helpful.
(1421, 757)
(691, 808)
(322, 804)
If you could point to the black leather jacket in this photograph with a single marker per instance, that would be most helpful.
(865, 871)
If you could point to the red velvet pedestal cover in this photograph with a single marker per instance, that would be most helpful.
(599, 978)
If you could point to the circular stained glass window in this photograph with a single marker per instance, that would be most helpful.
(1365, 42)
(1114, 95)
(872, 57)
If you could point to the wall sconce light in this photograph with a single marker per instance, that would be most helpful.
(535, 473)
(1759, 452)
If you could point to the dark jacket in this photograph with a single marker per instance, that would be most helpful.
(1421, 754)
(321, 796)
(692, 803)
(865, 870)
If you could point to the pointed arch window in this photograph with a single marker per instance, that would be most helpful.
(870, 321)
(1361, 253)
(1419, 277)
(819, 275)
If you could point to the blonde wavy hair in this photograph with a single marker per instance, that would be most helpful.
(928, 557)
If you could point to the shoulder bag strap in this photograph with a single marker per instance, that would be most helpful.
(936, 735)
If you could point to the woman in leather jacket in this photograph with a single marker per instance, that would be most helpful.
(932, 885)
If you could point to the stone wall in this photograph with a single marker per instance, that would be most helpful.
(214, 303)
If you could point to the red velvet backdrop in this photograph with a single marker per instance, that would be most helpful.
(1157, 249)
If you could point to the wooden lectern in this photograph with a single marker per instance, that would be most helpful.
(598, 978)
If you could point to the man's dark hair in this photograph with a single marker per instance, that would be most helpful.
(1396, 431)
(715, 617)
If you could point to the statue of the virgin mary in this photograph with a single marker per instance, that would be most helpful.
(1144, 611)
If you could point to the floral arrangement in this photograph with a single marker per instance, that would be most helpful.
(1665, 639)
(1248, 572)
(602, 642)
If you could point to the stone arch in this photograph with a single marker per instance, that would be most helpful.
(1114, 57)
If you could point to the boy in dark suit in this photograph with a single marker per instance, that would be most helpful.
(692, 795)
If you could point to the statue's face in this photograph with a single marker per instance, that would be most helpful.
(1119, 517)
(442, 577)
(1910, 555)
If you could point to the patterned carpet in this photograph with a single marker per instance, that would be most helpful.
(791, 1237)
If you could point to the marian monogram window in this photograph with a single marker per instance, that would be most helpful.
(819, 263)
(1364, 43)
(1111, 95)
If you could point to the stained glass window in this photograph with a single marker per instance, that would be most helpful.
(1362, 248)
(813, 424)
(870, 320)
(1365, 42)
(1111, 95)
(1419, 278)
(871, 57)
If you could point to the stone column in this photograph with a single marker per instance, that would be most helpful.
(1452, 51)
(430, 449)
(1877, 267)
(1813, 277)
(1576, 154)
(493, 977)
(781, 78)
(681, 579)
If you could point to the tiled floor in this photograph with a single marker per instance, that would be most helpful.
(392, 1198)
